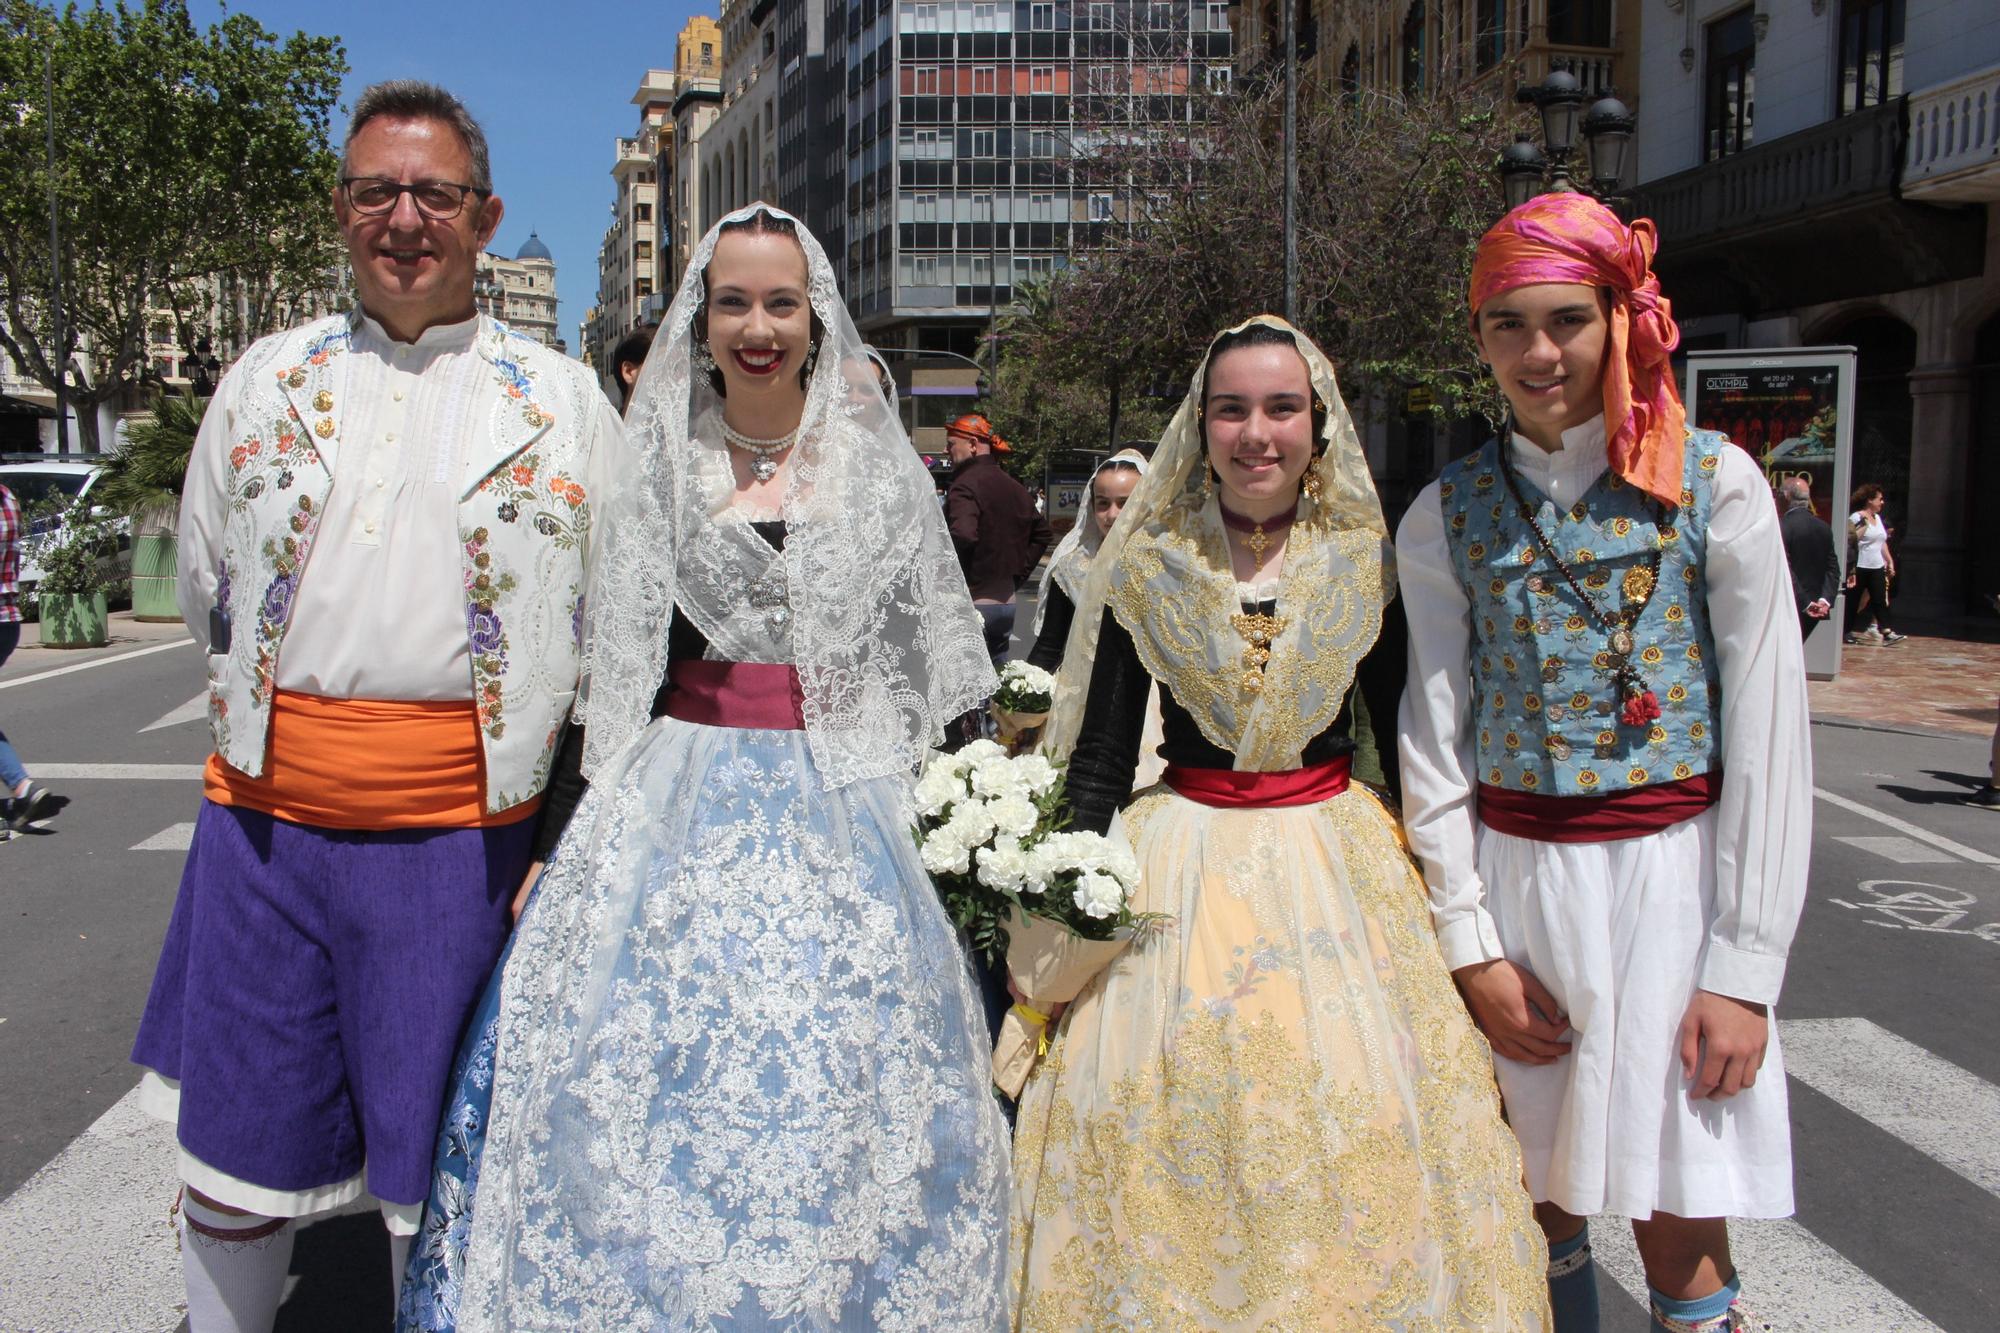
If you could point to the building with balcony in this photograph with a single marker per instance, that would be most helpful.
(697, 100)
(739, 152)
(628, 268)
(521, 292)
(1423, 45)
(1823, 172)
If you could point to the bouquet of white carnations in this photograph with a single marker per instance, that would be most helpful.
(1057, 904)
(1022, 703)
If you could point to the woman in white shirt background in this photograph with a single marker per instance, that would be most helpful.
(1873, 565)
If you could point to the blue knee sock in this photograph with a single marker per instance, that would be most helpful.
(1573, 1284)
(1700, 1315)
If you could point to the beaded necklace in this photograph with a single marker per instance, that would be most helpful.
(1640, 706)
(764, 453)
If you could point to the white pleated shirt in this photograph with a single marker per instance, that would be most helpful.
(381, 603)
(1764, 817)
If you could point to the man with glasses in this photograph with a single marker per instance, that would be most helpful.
(385, 541)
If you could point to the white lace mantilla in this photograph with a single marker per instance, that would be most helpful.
(887, 644)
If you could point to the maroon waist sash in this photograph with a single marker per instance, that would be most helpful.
(761, 696)
(1227, 789)
(1607, 818)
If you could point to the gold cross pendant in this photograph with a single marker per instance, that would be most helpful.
(1258, 543)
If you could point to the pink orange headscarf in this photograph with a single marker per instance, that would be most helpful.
(1571, 237)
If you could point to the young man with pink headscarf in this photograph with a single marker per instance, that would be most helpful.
(1606, 770)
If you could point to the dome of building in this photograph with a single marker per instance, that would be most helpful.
(534, 249)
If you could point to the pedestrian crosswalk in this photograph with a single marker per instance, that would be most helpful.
(85, 1246)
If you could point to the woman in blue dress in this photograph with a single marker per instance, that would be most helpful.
(731, 1074)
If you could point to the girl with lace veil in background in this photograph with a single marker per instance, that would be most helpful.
(732, 1073)
(1272, 1109)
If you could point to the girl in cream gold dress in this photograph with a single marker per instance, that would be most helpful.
(1272, 1111)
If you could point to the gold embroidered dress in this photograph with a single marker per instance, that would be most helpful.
(1272, 1112)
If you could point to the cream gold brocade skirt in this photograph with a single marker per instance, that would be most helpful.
(1273, 1113)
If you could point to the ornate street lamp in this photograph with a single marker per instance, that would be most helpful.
(1521, 168)
(1526, 171)
(1607, 130)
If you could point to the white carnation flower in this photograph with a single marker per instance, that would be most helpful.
(937, 789)
(944, 854)
(972, 822)
(981, 750)
(1002, 866)
(1098, 895)
(1036, 773)
(1014, 816)
(998, 777)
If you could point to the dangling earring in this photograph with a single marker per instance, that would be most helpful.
(1312, 485)
(812, 358)
(704, 360)
(1207, 480)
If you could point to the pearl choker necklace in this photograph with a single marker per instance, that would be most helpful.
(765, 465)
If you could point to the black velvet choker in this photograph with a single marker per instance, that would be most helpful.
(1260, 530)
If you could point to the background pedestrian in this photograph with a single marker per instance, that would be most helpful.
(1810, 553)
(1873, 566)
(26, 800)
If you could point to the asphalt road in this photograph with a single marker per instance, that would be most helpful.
(1889, 1021)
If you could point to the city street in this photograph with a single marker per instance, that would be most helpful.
(1888, 1029)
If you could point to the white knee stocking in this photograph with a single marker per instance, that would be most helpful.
(235, 1266)
(399, 1259)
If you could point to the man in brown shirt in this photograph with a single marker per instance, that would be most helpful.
(994, 525)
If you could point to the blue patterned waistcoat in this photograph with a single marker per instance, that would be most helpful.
(1546, 709)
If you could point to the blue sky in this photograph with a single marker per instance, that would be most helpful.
(551, 82)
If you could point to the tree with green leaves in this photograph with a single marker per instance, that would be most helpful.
(193, 171)
(1394, 193)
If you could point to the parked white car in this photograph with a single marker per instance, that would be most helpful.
(33, 485)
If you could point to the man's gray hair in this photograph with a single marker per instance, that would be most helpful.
(414, 99)
(1797, 492)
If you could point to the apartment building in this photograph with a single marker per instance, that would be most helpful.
(628, 268)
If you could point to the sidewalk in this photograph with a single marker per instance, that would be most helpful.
(1923, 684)
(127, 634)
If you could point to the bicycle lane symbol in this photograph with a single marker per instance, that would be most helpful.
(1930, 908)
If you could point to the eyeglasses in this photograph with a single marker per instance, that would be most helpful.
(437, 200)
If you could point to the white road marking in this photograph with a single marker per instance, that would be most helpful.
(119, 772)
(172, 838)
(1903, 851)
(94, 662)
(1938, 841)
(85, 1239)
(194, 710)
(1791, 1278)
(1944, 1112)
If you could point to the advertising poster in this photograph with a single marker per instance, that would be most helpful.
(1792, 410)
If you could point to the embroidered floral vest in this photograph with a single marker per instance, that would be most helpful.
(524, 527)
(1546, 708)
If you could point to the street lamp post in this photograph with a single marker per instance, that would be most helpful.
(55, 258)
(1526, 170)
(1291, 41)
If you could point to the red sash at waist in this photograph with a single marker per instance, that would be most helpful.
(1227, 789)
(1608, 818)
(761, 696)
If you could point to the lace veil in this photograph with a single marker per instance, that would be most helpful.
(1071, 560)
(1166, 559)
(886, 642)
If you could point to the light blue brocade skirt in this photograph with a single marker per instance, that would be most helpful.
(730, 1075)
